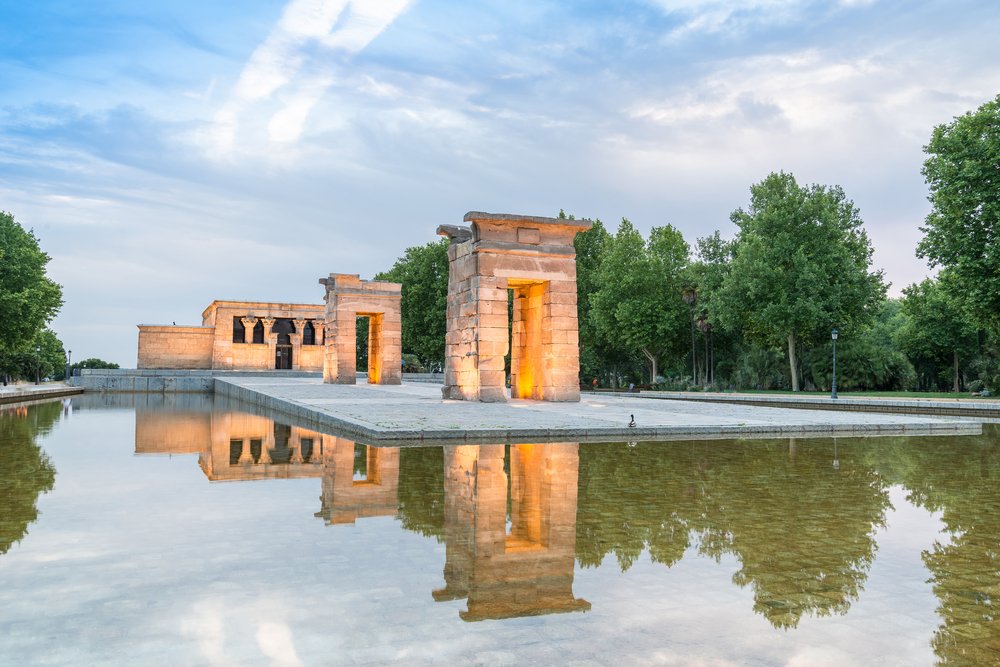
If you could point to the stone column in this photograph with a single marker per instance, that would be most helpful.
(271, 340)
(248, 324)
(318, 327)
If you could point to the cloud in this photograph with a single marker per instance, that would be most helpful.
(291, 61)
(713, 16)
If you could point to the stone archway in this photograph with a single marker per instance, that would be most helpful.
(535, 258)
(347, 298)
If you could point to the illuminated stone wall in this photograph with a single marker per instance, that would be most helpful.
(347, 298)
(535, 258)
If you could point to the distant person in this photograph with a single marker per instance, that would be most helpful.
(593, 384)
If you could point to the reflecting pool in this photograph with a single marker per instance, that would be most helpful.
(183, 530)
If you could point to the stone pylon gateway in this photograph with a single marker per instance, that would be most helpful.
(347, 298)
(535, 258)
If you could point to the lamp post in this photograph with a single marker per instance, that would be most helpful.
(38, 363)
(833, 389)
(69, 365)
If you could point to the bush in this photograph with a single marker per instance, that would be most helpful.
(411, 364)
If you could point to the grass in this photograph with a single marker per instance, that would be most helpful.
(873, 394)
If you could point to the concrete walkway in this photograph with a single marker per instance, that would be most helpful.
(415, 412)
(20, 393)
(966, 406)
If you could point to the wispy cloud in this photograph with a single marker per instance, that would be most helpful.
(290, 61)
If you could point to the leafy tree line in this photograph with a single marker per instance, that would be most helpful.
(757, 311)
(29, 299)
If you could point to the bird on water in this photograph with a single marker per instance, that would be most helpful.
(631, 424)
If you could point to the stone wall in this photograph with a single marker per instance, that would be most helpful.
(347, 298)
(535, 258)
(175, 347)
(227, 355)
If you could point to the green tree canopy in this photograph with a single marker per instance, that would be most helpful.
(638, 305)
(28, 298)
(423, 272)
(939, 332)
(963, 228)
(800, 267)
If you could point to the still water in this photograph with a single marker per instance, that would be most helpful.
(182, 531)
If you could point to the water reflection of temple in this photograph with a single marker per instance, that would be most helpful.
(357, 480)
(519, 567)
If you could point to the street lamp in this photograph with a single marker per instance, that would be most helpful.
(69, 365)
(833, 392)
(38, 363)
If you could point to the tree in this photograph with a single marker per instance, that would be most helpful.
(28, 298)
(423, 272)
(638, 304)
(93, 362)
(800, 267)
(963, 228)
(938, 334)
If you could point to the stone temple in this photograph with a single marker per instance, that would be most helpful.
(533, 257)
(239, 335)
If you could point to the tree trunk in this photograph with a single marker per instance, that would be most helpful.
(792, 365)
(652, 361)
(958, 387)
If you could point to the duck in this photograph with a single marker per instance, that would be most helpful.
(631, 423)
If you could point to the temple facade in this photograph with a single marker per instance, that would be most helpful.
(239, 335)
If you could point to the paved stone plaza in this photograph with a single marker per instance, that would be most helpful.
(415, 412)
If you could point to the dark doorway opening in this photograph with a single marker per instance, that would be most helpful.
(283, 350)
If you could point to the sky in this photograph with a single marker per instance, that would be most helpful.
(170, 154)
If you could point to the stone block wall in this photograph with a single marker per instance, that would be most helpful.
(175, 347)
(347, 298)
(211, 345)
(227, 355)
(535, 258)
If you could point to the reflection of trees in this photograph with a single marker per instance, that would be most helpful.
(960, 478)
(25, 470)
(802, 531)
(421, 490)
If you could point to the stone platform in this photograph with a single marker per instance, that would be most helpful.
(415, 413)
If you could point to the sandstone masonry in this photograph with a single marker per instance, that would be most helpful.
(535, 258)
(347, 298)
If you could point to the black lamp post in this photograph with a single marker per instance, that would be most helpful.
(69, 365)
(38, 363)
(833, 392)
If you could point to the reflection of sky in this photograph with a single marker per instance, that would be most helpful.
(139, 559)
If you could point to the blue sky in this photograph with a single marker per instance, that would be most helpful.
(168, 155)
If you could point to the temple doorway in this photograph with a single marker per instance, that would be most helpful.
(284, 328)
